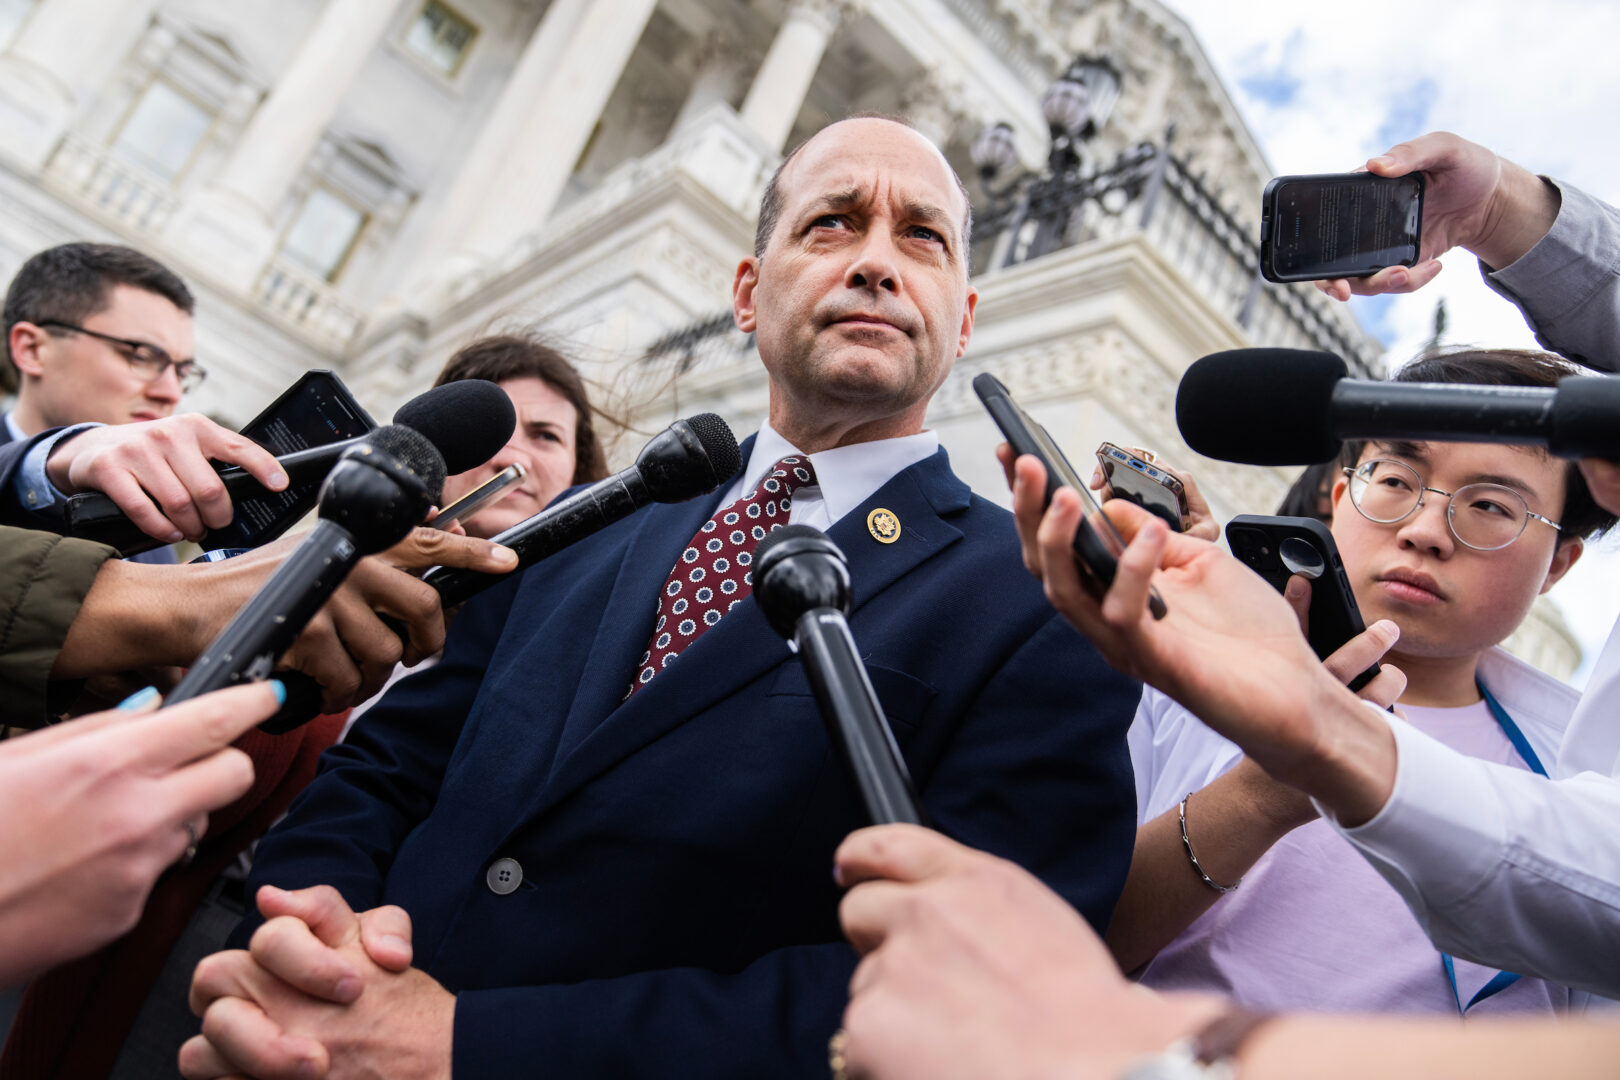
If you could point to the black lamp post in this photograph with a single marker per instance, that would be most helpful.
(1075, 107)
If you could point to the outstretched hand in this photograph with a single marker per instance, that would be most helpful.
(972, 967)
(1230, 648)
(1472, 199)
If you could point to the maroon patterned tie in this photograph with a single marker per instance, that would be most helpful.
(713, 573)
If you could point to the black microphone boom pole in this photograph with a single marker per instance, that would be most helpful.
(1292, 407)
(689, 458)
(374, 496)
(801, 582)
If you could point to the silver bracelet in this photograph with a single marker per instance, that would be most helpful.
(1198, 867)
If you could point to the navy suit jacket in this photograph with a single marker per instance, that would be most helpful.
(677, 914)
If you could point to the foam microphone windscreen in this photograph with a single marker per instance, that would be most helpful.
(415, 451)
(719, 443)
(469, 420)
(1261, 406)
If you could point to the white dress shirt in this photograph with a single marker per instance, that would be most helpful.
(845, 476)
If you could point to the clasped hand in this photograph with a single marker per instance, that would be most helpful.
(320, 992)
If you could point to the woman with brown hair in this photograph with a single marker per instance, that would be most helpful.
(555, 439)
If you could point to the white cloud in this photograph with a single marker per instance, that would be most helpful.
(1536, 82)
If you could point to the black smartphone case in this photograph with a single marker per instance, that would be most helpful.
(1268, 226)
(1257, 541)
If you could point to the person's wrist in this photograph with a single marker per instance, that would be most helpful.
(59, 462)
(1351, 769)
(1521, 210)
(1197, 1022)
(1282, 807)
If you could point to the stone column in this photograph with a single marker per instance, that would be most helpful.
(783, 80)
(65, 51)
(229, 226)
(537, 163)
(721, 64)
(506, 133)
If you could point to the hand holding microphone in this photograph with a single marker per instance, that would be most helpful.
(467, 421)
(374, 496)
(689, 458)
(801, 582)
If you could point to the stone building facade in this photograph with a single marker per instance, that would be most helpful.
(365, 184)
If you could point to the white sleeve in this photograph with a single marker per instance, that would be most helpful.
(1502, 866)
(1172, 752)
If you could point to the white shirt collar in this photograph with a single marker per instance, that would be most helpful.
(846, 475)
(17, 433)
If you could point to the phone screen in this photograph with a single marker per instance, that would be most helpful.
(316, 411)
(1341, 225)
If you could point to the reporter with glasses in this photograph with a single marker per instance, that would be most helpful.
(100, 342)
(1236, 884)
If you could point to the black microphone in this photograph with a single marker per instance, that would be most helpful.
(467, 422)
(801, 583)
(689, 458)
(1292, 407)
(379, 490)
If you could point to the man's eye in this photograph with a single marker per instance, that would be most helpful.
(923, 232)
(828, 221)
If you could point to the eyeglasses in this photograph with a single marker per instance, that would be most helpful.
(146, 360)
(1485, 517)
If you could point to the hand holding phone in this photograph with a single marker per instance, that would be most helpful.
(1137, 479)
(479, 497)
(1097, 544)
(1277, 548)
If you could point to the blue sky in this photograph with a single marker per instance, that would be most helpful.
(1325, 86)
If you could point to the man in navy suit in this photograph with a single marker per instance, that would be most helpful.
(610, 812)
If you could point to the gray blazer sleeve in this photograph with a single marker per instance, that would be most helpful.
(1568, 285)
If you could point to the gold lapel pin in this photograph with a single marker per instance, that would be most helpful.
(883, 525)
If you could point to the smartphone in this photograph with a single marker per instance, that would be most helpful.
(1339, 225)
(479, 497)
(315, 411)
(1277, 548)
(1097, 544)
(1140, 481)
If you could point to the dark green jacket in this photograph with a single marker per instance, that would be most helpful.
(43, 580)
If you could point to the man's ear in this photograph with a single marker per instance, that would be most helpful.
(1339, 487)
(742, 294)
(25, 342)
(967, 321)
(1565, 555)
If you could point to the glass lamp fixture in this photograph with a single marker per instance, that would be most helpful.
(1101, 78)
(993, 150)
(1066, 105)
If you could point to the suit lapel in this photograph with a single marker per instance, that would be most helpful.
(627, 620)
(742, 647)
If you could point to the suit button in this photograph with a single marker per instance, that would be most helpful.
(503, 876)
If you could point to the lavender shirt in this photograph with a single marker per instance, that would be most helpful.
(1315, 928)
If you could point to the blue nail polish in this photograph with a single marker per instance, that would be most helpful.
(280, 691)
(140, 699)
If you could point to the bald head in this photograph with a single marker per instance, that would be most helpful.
(858, 130)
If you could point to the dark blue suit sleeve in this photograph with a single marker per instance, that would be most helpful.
(12, 511)
(1036, 771)
(373, 788)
